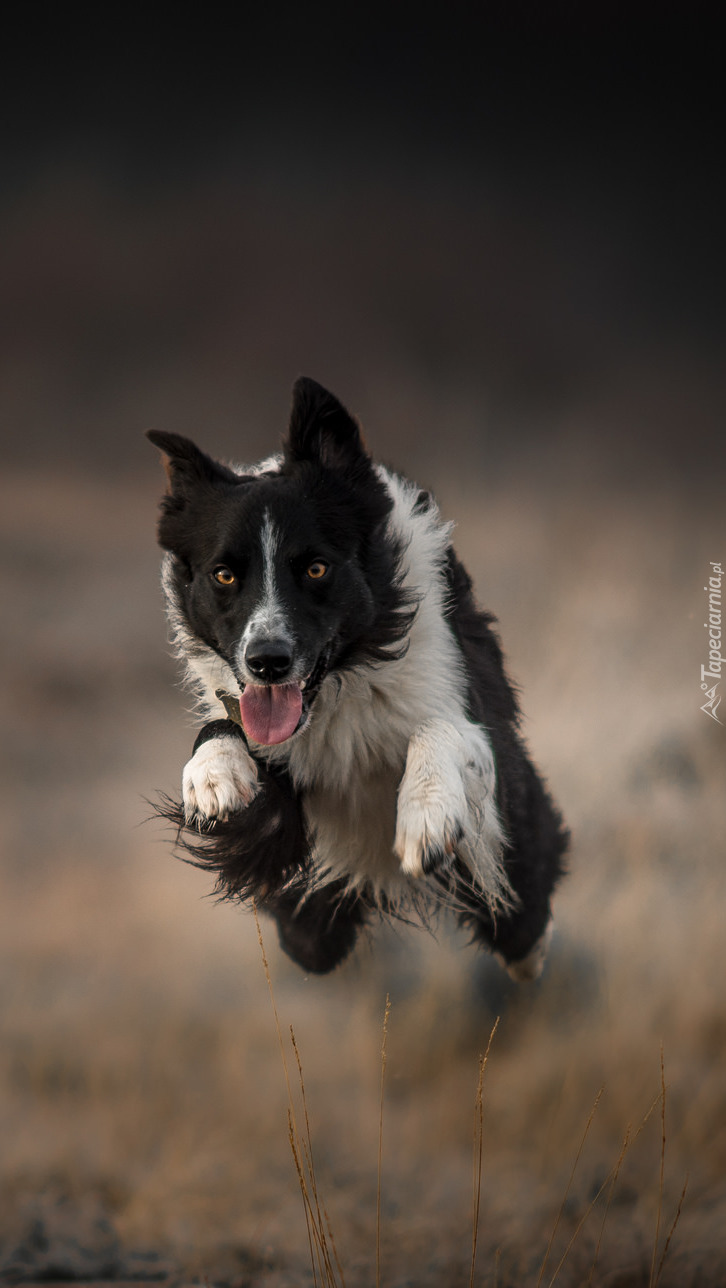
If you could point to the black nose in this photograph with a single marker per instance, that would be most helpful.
(269, 660)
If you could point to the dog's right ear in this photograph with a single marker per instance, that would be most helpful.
(321, 429)
(186, 466)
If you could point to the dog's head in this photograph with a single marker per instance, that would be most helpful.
(287, 572)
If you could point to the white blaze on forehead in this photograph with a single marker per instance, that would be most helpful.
(270, 608)
(268, 616)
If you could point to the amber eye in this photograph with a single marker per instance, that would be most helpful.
(318, 569)
(224, 576)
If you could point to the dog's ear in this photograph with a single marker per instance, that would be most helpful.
(321, 429)
(186, 465)
(192, 478)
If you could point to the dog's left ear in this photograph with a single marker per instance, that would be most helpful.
(321, 429)
(186, 466)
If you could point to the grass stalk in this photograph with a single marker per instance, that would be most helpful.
(651, 1280)
(321, 1225)
(610, 1179)
(568, 1187)
(320, 1239)
(613, 1182)
(380, 1139)
(478, 1149)
(671, 1232)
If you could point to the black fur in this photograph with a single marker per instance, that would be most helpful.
(537, 838)
(253, 854)
(330, 503)
(319, 931)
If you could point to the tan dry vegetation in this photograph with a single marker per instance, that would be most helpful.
(143, 1104)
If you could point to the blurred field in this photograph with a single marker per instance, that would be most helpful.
(143, 1109)
(503, 254)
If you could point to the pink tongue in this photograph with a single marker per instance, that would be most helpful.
(270, 713)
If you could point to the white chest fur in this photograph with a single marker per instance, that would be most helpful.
(390, 769)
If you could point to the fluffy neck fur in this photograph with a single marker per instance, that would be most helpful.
(364, 715)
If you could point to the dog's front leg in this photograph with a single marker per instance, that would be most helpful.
(432, 807)
(221, 777)
(449, 768)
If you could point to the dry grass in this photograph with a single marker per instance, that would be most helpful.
(140, 1075)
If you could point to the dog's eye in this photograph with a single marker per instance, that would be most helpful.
(318, 569)
(224, 576)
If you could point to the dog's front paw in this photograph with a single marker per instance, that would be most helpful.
(220, 778)
(432, 815)
(426, 840)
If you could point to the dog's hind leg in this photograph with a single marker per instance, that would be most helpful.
(520, 941)
(318, 930)
(519, 935)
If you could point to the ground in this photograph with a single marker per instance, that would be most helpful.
(143, 1106)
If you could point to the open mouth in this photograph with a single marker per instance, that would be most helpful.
(271, 713)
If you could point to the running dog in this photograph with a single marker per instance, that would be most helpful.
(361, 748)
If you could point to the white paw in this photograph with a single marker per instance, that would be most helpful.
(432, 808)
(220, 778)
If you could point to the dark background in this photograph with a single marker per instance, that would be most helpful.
(495, 224)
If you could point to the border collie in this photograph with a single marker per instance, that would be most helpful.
(360, 750)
